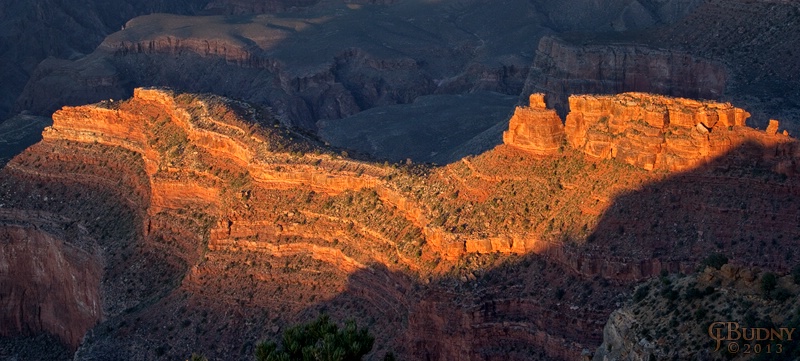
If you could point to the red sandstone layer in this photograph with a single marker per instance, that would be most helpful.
(648, 131)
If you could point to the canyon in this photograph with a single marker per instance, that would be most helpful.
(369, 55)
(375, 56)
(211, 226)
(480, 56)
(227, 183)
(372, 57)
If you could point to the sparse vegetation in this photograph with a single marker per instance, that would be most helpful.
(768, 283)
(641, 292)
(319, 340)
(715, 260)
(500, 194)
(197, 357)
(680, 323)
(796, 274)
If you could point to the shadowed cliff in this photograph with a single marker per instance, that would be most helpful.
(735, 205)
(702, 55)
(32, 32)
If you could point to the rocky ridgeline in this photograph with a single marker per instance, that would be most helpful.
(172, 185)
(647, 131)
(164, 153)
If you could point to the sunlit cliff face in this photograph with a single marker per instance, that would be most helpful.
(646, 131)
(215, 226)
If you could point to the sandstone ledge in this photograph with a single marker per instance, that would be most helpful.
(648, 131)
(535, 128)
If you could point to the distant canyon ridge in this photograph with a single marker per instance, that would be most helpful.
(368, 55)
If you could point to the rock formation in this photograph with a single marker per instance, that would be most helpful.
(347, 74)
(168, 223)
(535, 128)
(34, 32)
(649, 131)
(699, 55)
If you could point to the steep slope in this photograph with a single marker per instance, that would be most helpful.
(216, 227)
(685, 317)
(52, 278)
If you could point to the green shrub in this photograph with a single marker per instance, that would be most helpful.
(796, 274)
(768, 282)
(700, 314)
(641, 293)
(319, 340)
(669, 293)
(715, 260)
(780, 294)
(197, 357)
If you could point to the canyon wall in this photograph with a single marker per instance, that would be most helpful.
(124, 128)
(203, 153)
(263, 59)
(50, 274)
(561, 69)
(53, 29)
